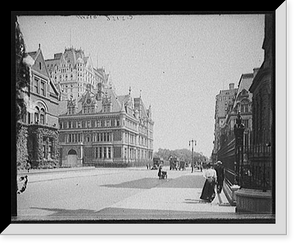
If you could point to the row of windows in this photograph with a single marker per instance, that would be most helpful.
(137, 154)
(74, 137)
(106, 137)
(88, 109)
(89, 123)
(102, 137)
(103, 152)
(131, 124)
(225, 98)
(38, 117)
(136, 139)
(63, 76)
(95, 137)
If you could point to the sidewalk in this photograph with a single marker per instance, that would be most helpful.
(175, 198)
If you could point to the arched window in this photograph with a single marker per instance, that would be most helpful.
(72, 152)
(42, 116)
(36, 115)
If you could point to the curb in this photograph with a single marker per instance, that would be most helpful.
(41, 171)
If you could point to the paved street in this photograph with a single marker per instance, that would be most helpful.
(118, 194)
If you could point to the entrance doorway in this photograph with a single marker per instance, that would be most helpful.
(72, 158)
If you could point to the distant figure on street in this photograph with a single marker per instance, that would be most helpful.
(208, 190)
(220, 175)
(24, 181)
(161, 174)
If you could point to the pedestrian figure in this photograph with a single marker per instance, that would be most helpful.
(208, 190)
(24, 181)
(220, 175)
(161, 174)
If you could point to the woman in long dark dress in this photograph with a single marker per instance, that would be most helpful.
(208, 190)
(221, 175)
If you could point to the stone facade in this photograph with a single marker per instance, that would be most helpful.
(42, 146)
(104, 129)
(38, 136)
(253, 201)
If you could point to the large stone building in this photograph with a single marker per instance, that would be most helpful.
(242, 104)
(40, 122)
(72, 70)
(101, 128)
(224, 101)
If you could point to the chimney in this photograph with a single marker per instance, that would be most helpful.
(231, 86)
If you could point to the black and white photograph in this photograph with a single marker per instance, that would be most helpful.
(147, 119)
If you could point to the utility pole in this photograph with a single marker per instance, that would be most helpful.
(192, 142)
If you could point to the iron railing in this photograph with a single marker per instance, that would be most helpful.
(255, 169)
(227, 155)
(248, 166)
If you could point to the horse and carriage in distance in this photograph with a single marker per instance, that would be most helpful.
(177, 164)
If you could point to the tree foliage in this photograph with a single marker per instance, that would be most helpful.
(182, 154)
(22, 72)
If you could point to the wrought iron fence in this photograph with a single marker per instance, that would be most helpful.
(227, 156)
(255, 169)
(248, 166)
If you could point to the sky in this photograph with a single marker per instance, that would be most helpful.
(179, 63)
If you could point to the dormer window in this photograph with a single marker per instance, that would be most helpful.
(71, 110)
(244, 108)
(71, 106)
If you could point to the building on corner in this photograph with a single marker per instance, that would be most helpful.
(40, 122)
(101, 128)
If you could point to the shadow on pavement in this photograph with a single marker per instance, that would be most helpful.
(60, 212)
(148, 183)
(144, 183)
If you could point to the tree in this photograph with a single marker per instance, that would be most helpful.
(22, 81)
(182, 154)
(22, 72)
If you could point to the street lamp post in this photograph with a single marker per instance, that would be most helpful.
(192, 142)
(239, 151)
